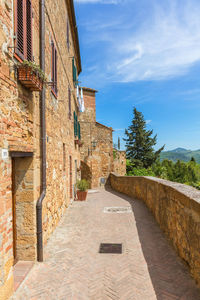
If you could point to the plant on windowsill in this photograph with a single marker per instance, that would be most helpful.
(30, 75)
(79, 169)
(80, 143)
(82, 187)
(76, 140)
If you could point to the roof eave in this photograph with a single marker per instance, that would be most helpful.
(70, 4)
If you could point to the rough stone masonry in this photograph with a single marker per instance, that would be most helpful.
(20, 134)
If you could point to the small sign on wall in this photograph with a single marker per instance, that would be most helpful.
(4, 153)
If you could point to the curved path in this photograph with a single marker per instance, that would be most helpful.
(147, 269)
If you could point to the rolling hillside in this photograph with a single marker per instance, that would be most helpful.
(180, 154)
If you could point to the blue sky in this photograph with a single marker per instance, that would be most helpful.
(144, 53)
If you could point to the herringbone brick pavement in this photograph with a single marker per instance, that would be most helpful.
(148, 268)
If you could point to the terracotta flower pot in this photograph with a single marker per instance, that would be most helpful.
(81, 195)
(76, 141)
(29, 78)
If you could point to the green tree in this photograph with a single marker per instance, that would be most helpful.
(139, 143)
(193, 159)
(118, 143)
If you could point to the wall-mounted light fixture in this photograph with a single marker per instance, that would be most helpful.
(94, 144)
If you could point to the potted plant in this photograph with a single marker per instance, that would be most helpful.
(82, 187)
(30, 75)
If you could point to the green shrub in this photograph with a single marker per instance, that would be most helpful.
(196, 185)
(82, 185)
(141, 172)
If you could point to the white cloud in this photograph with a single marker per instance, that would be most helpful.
(118, 129)
(163, 45)
(166, 48)
(148, 121)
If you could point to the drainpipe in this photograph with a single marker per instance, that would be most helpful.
(43, 138)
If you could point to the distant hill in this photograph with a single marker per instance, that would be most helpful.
(180, 154)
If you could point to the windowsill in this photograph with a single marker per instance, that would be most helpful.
(18, 58)
(54, 93)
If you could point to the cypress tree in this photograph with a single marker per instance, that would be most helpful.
(118, 143)
(139, 143)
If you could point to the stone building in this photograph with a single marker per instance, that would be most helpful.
(119, 162)
(97, 148)
(39, 148)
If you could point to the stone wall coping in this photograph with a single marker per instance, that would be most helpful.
(187, 190)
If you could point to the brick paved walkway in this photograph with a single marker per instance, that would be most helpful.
(147, 269)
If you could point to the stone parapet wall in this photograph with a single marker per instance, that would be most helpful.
(176, 207)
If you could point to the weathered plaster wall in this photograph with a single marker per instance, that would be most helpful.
(176, 208)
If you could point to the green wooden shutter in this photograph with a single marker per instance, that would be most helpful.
(74, 71)
(74, 123)
(79, 131)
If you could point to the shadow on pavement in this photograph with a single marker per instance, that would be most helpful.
(169, 275)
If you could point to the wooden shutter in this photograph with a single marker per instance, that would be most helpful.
(73, 68)
(55, 72)
(79, 131)
(74, 72)
(52, 61)
(69, 96)
(74, 123)
(23, 29)
(28, 30)
(68, 35)
(54, 68)
(19, 28)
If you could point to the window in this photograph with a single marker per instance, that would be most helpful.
(75, 124)
(77, 127)
(79, 131)
(70, 105)
(54, 69)
(74, 72)
(23, 30)
(64, 160)
(67, 35)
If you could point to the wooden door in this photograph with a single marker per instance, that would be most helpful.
(14, 210)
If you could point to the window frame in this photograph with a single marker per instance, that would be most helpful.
(17, 54)
(67, 34)
(54, 69)
(74, 72)
(69, 102)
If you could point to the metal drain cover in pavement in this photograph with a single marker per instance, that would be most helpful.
(110, 248)
(119, 210)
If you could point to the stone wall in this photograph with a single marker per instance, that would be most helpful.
(97, 149)
(176, 208)
(119, 162)
(60, 126)
(18, 127)
(20, 131)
